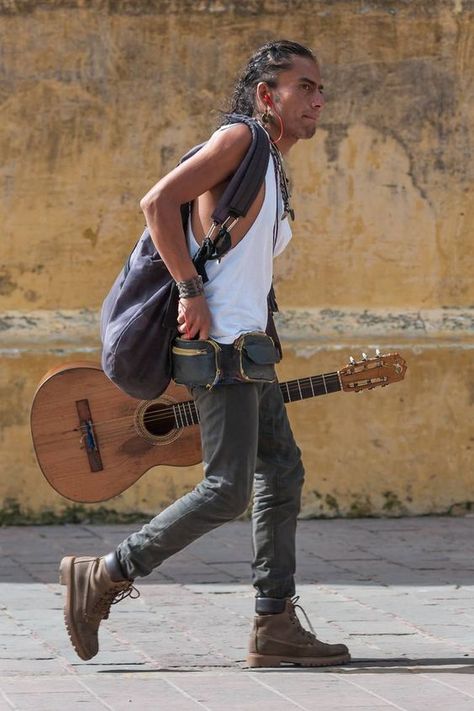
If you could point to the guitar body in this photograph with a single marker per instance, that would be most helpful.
(92, 441)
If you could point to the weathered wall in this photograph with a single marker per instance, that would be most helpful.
(98, 99)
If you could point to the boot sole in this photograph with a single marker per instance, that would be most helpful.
(66, 578)
(266, 660)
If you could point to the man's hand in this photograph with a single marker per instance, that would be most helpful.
(194, 317)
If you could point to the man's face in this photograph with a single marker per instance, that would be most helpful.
(298, 98)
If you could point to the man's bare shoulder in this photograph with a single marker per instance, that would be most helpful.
(232, 141)
(207, 168)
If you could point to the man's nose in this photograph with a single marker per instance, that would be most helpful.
(318, 100)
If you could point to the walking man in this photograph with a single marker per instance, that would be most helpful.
(246, 437)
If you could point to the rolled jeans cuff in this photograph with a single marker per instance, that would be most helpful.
(269, 605)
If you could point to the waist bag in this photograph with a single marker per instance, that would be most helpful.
(250, 359)
(138, 317)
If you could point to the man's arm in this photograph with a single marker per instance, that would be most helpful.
(212, 165)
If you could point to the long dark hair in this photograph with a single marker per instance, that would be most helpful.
(264, 65)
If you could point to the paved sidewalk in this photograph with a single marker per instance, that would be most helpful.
(399, 592)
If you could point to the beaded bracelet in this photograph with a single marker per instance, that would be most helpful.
(191, 287)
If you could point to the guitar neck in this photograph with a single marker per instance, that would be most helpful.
(186, 414)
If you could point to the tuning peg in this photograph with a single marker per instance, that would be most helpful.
(364, 356)
(352, 360)
(377, 352)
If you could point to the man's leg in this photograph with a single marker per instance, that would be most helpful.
(279, 480)
(277, 635)
(229, 428)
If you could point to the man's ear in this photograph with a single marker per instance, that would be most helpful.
(263, 95)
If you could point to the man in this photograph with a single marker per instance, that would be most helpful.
(246, 436)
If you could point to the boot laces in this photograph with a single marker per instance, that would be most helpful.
(112, 597)
(309, 635)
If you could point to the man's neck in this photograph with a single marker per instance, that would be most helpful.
(285, 143)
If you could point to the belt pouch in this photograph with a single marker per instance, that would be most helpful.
(257, 357)
(195, 362)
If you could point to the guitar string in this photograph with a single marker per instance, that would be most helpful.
(112, 435)
(118, 431)
(168, 412)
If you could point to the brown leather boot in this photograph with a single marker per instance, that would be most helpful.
(90, 593)
(280, 638)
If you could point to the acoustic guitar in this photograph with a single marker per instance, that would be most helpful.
(92, 441)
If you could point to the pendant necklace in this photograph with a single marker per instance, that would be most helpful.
(285, 184)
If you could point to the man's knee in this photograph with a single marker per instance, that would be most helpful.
(234, 500)
(272, 488)
(229, 500)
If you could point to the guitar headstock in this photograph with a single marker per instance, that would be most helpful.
(371, 373)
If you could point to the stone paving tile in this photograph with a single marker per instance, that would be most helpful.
(52, 702)
(416, 692)
(233, 692)
(317, 689)
(462, 682)
(41, 666)
(145, 691)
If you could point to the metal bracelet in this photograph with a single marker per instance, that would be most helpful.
(191, 287)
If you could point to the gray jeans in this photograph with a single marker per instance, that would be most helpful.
(247, 441)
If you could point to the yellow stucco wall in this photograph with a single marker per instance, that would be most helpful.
(98, 99)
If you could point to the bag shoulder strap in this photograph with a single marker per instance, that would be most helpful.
(247, 180)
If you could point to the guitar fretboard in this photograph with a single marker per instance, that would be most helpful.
(186, 414)
(303, 388)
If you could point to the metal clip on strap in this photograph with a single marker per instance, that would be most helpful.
(222, 243)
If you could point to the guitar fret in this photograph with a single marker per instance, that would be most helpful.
(324, 383)
(299, 388)
(288, 391)
(175, 412)
(312, 388)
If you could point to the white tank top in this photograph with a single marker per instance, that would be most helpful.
(238, 286)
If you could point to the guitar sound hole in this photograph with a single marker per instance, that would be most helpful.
(158, 419)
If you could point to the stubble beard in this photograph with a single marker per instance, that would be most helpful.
(307, 132)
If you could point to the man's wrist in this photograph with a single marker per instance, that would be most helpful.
(190, 288)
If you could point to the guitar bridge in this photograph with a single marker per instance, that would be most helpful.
(88, 438)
